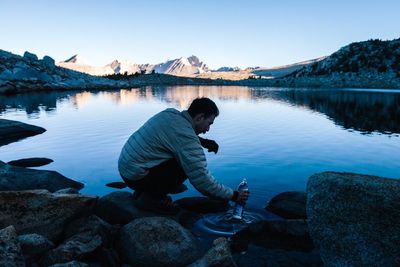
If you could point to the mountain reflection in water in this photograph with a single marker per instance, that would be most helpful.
(360, 110)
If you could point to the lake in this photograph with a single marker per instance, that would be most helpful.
(274, 137)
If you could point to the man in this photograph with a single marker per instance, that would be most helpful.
(165, 151)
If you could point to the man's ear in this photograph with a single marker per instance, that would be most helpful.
(198, 117)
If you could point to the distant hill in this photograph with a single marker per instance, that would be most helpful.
(281, 71)
(235, 73)
(372, 58)
(367, 64)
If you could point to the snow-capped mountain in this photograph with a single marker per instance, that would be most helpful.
(122, 66)
(184, 66)
(78, 63)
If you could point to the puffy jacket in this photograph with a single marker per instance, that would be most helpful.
(170, 134)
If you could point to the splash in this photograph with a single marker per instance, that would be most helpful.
(223, 224)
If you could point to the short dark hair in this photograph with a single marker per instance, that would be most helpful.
(203, 105)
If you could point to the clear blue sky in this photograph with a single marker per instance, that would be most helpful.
(220, 32)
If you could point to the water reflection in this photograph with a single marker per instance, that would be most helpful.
(362, 110)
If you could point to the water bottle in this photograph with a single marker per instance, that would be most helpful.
(239, 207)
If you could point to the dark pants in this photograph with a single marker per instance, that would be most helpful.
(161, 179)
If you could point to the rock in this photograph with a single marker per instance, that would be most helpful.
(354, 218)
(30, 162)
(6, 88)
(30, 56)
(31, 74)
(275, 234)
(48, 62)
(90, 223)
(259, 256)
(104, 257)
(34, 244)
(10, 249)
(118, 208)
(38, 211)
(69, 190)
(218, 255)
(202, 204)
(11, 131)
(157, 241)
(17, 178)
(6, 75)
(78, 83)
(70, 264)
(289, 205)
(74, 248)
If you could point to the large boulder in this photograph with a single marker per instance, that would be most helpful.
(218, 255)
(10, 249)
(87, 238)
(275, 234)
(30, 56)
(38, 211)
(48, 62)
(289, 205)
(157, 241)
(18, 178)
(74, 248)
(118, 208)
(354, 219)
(90, 223)
(34, 244)
(92, 227)
(11, 131)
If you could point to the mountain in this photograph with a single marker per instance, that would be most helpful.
(184, 66)
(372, 58)
(124, 66)
(78, 63)
(367, 64)
(281, 71)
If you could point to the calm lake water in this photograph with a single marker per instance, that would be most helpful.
(274, 137)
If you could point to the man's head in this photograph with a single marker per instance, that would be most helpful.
(203, 112)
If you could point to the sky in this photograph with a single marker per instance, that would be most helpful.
(220, 32)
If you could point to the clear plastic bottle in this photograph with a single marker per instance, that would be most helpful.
(239, 207)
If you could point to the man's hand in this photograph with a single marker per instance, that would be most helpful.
(211, 145)
(243, 196)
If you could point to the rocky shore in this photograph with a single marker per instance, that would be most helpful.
(343, 219)
(28, 73)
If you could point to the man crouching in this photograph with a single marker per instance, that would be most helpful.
(165, 151)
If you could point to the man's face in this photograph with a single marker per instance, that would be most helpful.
(202, 124)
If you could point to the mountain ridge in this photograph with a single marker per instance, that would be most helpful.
(183, 66)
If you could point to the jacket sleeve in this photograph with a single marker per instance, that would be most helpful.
(190, 155)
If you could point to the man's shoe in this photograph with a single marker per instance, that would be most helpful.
(180, 189)
(157, 204)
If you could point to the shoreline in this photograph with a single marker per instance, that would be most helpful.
(17, 87)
